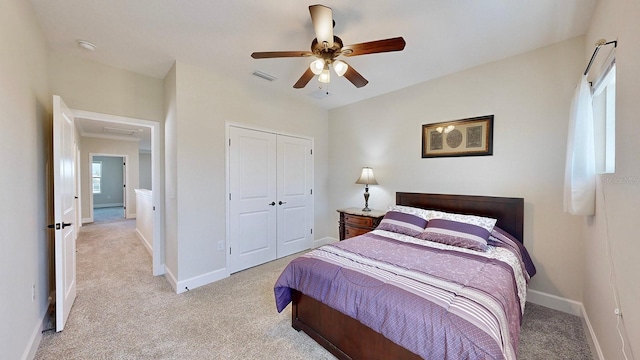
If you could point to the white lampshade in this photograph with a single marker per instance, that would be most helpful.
(340, 67)
(324, 77)
(317, 66)
(366, 177)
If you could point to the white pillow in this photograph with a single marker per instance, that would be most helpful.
(421, 213)
(484, 222)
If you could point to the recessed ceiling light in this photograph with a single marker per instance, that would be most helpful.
(86, 45)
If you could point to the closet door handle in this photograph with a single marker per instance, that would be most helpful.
(281, 202)
(273, 203)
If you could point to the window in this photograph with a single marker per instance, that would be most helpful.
(604, 119)
(96, 176)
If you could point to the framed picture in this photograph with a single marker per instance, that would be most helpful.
(465, 137)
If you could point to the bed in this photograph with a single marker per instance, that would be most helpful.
(345, 296)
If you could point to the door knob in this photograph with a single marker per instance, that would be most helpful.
(273, 203)
(64, 224)
(281, 202)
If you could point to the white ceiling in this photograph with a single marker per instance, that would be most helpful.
(442, 36)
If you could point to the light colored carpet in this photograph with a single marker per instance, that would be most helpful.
(123, 312)
(108, 214)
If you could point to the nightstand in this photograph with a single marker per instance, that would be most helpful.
(354, 221)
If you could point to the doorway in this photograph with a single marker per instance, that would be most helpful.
(112, 124)
(109, 177)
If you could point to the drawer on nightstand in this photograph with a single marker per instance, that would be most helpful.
(350, 232)
(358, 220)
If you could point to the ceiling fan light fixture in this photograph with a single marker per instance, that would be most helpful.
(325, 76)
(340, 67)
(317, 66)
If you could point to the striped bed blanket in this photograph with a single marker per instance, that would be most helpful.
(436, 300)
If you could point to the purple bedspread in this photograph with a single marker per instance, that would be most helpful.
(435, 300)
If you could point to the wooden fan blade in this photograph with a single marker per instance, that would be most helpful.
(355, 77)
(372, 47)
(280, 54)
(304, 79)
(322, 19)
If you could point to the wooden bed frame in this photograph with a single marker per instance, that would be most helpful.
(346, 337)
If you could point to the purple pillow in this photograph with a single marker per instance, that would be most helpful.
(456, 233)
(402, 223)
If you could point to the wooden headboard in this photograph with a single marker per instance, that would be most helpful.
(508, 211)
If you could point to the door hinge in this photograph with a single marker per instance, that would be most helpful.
(229, 196)
(229, 251)
(229, 142)
(312, 231)
(154, 208)
(311, 150)
(124, 164)
(311, 191)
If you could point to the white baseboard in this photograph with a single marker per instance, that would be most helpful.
(324, 241)
(36, 336)
(570, 307)
(171, 279)
(87, 220)
(97, 206)
(591, 335)
(185, 285)
(145, 242)
(555, 302)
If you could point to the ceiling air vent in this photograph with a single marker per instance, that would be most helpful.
(118, 131)
(265, 76)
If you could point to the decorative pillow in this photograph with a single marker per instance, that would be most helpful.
(456, 233)
(421, 213)
(484, 222)
(402, 223)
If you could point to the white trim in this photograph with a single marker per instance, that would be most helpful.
(592, 339)
(87, 220)
(171, 279)
(555, 302)
(324, 241)
(145, 242)
(108, 205)
(36, 336)
(200, 280)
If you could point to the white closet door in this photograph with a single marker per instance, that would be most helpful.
(252, 176)
(295, 201)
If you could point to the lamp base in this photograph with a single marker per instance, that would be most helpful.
(366, 198)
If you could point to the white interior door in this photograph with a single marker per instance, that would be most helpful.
(252, 198)
(295, 199)
(64, 209)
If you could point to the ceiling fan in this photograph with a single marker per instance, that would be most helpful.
(327, 47)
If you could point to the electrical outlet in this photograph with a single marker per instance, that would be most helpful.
(220, 245)
(33, 292)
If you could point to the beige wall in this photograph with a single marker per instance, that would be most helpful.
(100, 146)
(25, 156)
(205, 102)
(530, 96)
(88, 85)
(618, 194)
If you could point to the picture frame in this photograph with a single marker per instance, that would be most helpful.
(464, 137)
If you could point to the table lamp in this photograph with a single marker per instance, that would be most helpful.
(366, 178)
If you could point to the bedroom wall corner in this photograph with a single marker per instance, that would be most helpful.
(611, 230)
(25, 159)
(205, 102)
(530, 96)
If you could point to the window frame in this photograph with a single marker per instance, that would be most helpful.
(97, 177)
